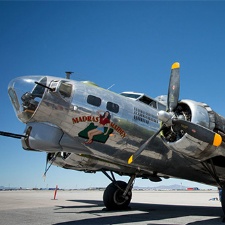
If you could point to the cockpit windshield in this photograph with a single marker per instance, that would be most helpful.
(131, 95)
(25, 95)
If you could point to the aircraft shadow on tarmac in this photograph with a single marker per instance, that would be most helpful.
(141, 213)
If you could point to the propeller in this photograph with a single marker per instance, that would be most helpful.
(169, 118)
(140, 150)
(174, 87)
(199, 132)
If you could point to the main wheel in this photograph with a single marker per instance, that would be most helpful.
(113, 196)
(222, 198)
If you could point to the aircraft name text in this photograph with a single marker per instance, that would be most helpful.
(97, 119)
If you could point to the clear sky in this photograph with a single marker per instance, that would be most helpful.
(131, 44)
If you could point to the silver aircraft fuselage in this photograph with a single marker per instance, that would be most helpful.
(60, 113)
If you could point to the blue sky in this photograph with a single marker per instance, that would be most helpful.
(131, 44)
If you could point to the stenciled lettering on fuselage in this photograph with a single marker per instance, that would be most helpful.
(96, 119)
(144, 117)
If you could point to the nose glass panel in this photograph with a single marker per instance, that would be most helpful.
(26, 95)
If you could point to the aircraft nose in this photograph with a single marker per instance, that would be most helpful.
(25, 95)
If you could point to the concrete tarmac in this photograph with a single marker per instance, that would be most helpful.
(86, 207)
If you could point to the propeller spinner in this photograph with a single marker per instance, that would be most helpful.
(170, 119)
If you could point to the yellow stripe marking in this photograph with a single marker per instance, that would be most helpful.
(217, 140)
(175, 65)
(130, 160)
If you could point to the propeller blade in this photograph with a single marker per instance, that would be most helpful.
(172, 100)
(140, 150)
(199, 132)
(174, 87)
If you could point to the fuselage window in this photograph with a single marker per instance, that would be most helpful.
(65, 89)
(93, 100)
(113, 107)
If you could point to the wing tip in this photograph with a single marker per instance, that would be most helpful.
(175, 65)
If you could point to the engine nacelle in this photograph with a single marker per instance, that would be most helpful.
(42, 137)
(49, 138)
(199, 113)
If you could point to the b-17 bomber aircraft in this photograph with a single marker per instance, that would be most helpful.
(84, 127)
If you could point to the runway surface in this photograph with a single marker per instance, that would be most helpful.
(86, 207)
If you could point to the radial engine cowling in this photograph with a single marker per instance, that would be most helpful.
(198, 113)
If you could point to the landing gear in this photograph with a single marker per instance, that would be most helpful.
(118, 194)
(222, 198)
(210, 167)
(113, 197)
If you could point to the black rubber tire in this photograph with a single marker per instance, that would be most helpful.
(222, 198)
(113, 199)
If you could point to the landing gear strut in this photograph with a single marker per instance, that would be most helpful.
(118, 194)
(210, 167)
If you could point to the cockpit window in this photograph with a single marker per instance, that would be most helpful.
(141, 98)
(131, 95)
(148, 101)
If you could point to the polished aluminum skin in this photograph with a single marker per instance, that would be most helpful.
(59, 113)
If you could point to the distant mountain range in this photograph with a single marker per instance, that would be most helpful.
(160, 187)
(8, 188)
(163, 187)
